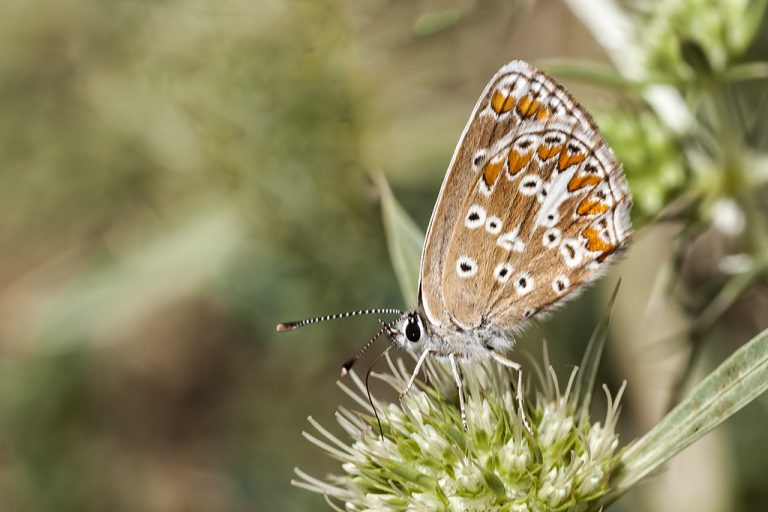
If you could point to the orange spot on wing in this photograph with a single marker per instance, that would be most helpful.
(594, 242)
(542, 113)
(500, 103)
(527, 106)
(578, 182)
(509, 104)
(517, 161)
(568, 159)
(546, 151)
(497, 101)
(491, 172)
(590, 207)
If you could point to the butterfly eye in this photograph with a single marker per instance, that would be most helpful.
(412, 331)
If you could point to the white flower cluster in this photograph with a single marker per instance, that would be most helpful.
(423, 461)
(720, 29)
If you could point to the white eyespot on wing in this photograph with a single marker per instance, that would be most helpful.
(572, 252)
(523, 283)
(502, 272)
(466, 267)
(530, 185)
(526, 143)
(573, 147)
(560, 284)
(554, 138)
(550, 219)
(551, 238)
(475, 217)
(479, 159)
(493, 225)
(592, 166)
(511, 241)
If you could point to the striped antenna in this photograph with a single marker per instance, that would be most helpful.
(352, 360)
(289, 326)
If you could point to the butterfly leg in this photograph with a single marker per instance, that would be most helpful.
(416, 370)
(520, 402)
(457, 377)
(504, 361)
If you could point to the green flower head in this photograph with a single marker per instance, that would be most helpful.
(422, 460)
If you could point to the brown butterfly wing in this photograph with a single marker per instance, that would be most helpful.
(533, 206)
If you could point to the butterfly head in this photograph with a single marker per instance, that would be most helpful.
(408, 331)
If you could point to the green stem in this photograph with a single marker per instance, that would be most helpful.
(737, 381)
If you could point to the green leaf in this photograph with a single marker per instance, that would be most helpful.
(590, 363)
(404, 239)
(735, 383)
(730, 292)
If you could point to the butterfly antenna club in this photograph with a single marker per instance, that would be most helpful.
(352, 360)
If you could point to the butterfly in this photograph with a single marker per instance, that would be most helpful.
(534, 207)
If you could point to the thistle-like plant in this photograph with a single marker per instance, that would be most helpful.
(422, 460)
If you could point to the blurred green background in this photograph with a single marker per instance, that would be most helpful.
(177, 177)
